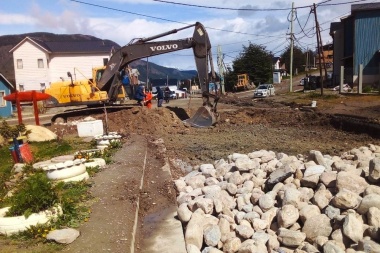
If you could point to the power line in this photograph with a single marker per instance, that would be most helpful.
(169, 20)
(254, 9)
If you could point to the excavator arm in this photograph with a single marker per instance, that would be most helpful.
(146, 47)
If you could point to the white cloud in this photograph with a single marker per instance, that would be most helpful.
(14, 19)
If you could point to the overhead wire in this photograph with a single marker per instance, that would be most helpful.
(253, 9)
(305, 33)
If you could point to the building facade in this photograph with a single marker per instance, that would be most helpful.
(357, 42)
(38, 63)
(6, 88)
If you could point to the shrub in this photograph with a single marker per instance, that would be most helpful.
(35, 194)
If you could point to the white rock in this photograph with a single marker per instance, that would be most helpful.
(266, 202)
(191, 248)
(332, 212)
(291, 238)
(207, 205)
(235, 156)
(372, 189)
(184, 214)
(236, 178)
(244, 231)
(374, 170)
(369, 246)
(261, 237)
(310, 181)
(351, 182)
(252, 246)
(353, 228)
(373, 216)
(322, 198)
(246, 164)
(208, 170)
(224, 227)
(287, 216)
(346, 199)
(194, 230)
(291, 197)
(370, 200)
(195, 182)
(314, 170)
(318, 225)
(328, 178)
(231, 188)
(211, 250)
(232, 245)
(212, 235)
(309, 211)
(64, 236)
(332, 247)
(40, 133)
(259, 224)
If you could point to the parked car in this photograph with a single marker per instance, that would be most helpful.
(264, 90)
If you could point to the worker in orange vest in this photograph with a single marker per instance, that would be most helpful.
(148, 99)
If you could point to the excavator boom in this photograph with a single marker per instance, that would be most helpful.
(106, 86)
(199, 42)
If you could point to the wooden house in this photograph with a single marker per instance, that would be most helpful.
(38, 63)
(6, 88)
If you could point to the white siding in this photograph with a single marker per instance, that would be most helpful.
(79, 65)
(30, 75)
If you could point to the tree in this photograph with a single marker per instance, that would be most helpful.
(256, 61)
(299, 59)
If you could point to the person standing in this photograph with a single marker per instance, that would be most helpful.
(167, 94)
(140, 94)
(160, 96)
(148, 99)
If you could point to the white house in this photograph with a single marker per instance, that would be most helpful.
(38, 63)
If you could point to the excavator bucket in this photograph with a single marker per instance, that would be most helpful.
(204, 117)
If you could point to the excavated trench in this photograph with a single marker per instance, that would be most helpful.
(356, 124)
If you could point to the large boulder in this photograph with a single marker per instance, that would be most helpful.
(40, 133)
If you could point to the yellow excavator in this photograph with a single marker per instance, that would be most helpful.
(243, 83)
(80, 92)
(106, 89)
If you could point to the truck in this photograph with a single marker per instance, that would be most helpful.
(106, 89)
(243, 83)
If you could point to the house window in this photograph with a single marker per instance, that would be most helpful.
(3, 103)
(105, 61)
(19, 64)
(21, 87)
(40, 63)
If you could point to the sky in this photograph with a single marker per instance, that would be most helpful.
(231, 24)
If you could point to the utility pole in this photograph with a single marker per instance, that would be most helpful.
(221, 68)
(319, 45)
(147, 73)
(307, 62)
(291, 50)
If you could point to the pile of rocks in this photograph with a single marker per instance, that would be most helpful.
(268, 202)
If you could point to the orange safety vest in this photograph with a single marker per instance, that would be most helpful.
(148, 99)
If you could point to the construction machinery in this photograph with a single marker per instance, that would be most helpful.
(80, 92)
(105, 90)
(243, 83)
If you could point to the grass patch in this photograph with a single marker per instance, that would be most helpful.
(35, 192)
(315, 95)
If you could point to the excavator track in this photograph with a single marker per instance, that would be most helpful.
(63, 116)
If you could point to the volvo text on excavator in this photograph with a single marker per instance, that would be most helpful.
(105, 91)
